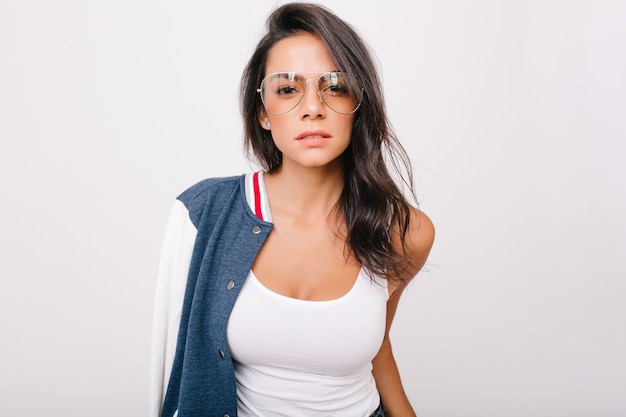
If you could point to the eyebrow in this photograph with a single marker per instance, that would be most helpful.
(292, 74)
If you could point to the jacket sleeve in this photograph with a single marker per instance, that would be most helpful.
(176, 251)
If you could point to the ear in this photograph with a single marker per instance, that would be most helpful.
(263, 119)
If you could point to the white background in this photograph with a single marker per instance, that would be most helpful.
(513, 112)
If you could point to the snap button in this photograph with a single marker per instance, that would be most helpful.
(222, 354)
(256, 229)
(226, 415)
(230, 285)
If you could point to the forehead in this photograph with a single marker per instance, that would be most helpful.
(299, 53)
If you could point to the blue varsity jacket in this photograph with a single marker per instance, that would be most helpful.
(212, 239)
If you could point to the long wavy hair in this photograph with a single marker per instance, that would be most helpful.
(372, 204)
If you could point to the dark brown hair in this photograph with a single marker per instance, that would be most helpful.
(372, 203)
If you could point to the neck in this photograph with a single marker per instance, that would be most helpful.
(309, 193)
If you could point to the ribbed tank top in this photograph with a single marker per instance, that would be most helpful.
(307, 358)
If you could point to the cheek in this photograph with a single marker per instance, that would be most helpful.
(278, 125)
(347, 127)
(281, 131)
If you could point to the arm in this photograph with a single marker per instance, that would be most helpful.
(420, 238)
(170, 290)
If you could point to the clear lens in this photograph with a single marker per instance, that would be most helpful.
(282, 92)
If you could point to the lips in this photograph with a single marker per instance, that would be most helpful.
(315, 134)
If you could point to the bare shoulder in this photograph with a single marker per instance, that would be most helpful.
(419, 240)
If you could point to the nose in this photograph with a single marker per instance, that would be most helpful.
(312, 105)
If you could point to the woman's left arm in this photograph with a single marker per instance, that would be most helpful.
(419, 240)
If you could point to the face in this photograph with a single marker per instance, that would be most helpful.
(310, 135)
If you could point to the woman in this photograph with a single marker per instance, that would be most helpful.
(277, 289)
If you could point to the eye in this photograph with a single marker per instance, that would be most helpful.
(286, 90)
(338, 90)
(334, 84)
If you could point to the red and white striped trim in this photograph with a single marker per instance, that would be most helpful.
(257, 196)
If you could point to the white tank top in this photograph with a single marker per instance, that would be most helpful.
(307, 358)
